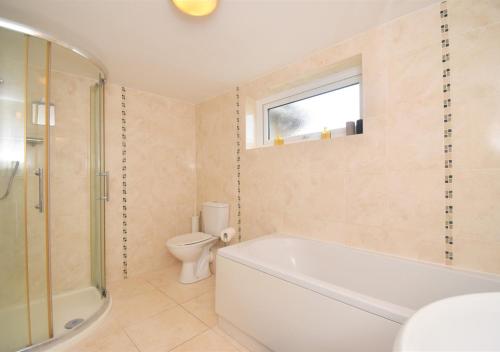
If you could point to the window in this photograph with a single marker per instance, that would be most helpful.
(303, 113)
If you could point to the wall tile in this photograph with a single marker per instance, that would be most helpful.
(473, 74)
(415, 200)
(465, 16)
(367, 152)
(413, 31)
(161, 177)
(366, 198)
(477, 207)
(476, 254)
(414, 140)
(476, 130)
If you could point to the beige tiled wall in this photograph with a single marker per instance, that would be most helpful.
(383, 190)
(475, 66)
(216, 153)
(161, 177)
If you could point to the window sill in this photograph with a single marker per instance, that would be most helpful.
(335, 136)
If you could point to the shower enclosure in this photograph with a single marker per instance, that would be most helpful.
(52, 191)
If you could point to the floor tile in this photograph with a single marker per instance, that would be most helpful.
(129, 287)
(182, 293)
(208, 341)
(145, 317)
(203, 307)
(165, 330)
(171, 272)
(131, 310)
(233, 342)
(107, 326)
(114, 342)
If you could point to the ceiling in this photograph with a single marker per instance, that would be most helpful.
(149, 45)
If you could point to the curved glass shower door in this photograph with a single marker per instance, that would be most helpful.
(14, 317)
(25, 292)
(53, 188)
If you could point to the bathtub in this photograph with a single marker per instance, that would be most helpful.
(284, 293)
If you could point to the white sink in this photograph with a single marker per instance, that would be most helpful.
(461, 323)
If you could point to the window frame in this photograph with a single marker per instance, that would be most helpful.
(324, 85)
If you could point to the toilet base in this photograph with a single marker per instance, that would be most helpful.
(198, 270)
(190, 273)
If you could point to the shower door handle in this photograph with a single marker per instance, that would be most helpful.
(105, 174)
(39, 205)
(106, 186)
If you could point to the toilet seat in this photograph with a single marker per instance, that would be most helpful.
(189, 239)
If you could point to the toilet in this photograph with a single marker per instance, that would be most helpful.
(193, 249)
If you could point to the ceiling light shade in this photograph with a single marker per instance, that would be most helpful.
(196, 7)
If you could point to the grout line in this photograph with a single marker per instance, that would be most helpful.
(130, 296)
(156, 288)
(131, 340)
(167, 309)
(194, 315)
(141, 322)
(239, 347)
(195, 297)
(190, 339)
(206, 327)
(175, 305)
(180, 303)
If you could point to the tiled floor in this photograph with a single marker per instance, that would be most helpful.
(155, 313)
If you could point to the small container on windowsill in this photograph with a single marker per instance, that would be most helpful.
(359, 126)
(350, 128)
(326, 134)
(279, 140)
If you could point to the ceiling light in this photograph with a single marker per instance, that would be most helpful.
(196, 7)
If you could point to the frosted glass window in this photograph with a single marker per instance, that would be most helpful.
(304, 111)
(330, 110)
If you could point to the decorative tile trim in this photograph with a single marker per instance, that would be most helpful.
(238, 163)
(447, 135)
(124, 184)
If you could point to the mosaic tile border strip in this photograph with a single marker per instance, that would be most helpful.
(447, 135)
(124, 183)
(238, 164)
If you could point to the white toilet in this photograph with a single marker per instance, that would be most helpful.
(193, 249)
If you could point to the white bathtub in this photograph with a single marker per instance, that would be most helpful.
(284, 293)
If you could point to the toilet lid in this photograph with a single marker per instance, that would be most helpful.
(189, 238)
